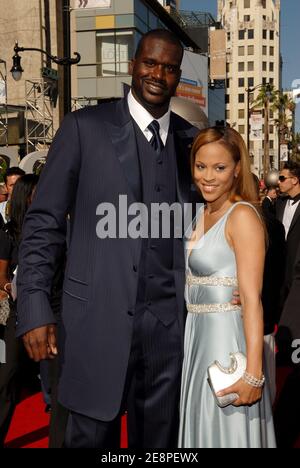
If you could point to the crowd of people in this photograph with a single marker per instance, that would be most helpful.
(131, 325)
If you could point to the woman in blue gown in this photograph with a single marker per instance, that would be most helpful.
(225, 251)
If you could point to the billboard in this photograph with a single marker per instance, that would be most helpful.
(218, 54)
(194, 79)
(93, 4)
(284, 153)
(256, 122)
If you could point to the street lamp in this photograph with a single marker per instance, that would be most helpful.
(268, 95)
(17, 69)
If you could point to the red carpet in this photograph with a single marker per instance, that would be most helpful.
(29, 428)
(30, 425)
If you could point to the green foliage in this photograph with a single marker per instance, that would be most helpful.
(3, 168)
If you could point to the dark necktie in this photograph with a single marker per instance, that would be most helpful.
(156, 141)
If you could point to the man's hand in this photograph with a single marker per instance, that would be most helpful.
(40, 343)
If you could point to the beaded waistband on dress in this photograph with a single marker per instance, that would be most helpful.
(211, 280)
(212, 308)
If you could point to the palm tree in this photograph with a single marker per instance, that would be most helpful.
(266, 95)
(295, 142)
(283, 104)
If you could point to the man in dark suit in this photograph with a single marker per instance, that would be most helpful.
(123, 302)
(288, 405)
(288, 212)
(268, 204)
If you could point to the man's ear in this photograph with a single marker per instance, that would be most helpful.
(131, 66)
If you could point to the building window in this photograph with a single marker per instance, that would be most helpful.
(271, 144)
(247, 18)
(227, 114)
(241, 98)
(250, 66)
(271, 114)
(271, 80)
(264, 50)
(264, 66)
(242, 129)
(250, 50)
(227, 99)
(264, 3)
(271, 66)
(271, 129)
(242, 34)
(114, 52)
(241, 113)
(264, 80)
(250, 33)
(272, 35)
(272, 51)
(228, 36)
(250, 82)
(227, 68)
(241, 82)
(241, 51)
(247, 3)
(241, 66)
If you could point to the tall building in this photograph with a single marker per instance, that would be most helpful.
(107, 38)
(32, 24)
(253, 59)
(104, 32)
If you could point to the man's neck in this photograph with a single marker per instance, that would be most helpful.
(294, 192)
(156, 112)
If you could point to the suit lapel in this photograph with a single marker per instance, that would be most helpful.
(280, 209)
(123, 138)
(183, 144)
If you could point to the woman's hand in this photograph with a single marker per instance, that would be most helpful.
(248, 395)
(7, 288)
(3, 295)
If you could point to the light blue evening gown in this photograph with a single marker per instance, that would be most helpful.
(214, 329)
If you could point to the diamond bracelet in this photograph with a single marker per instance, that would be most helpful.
(250, 380)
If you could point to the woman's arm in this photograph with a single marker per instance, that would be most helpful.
(245, 233)
(4, 276)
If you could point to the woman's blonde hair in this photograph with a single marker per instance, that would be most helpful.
(244, 186)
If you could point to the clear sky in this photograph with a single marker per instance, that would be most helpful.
(290, 38)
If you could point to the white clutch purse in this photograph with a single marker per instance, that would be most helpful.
(220, 378)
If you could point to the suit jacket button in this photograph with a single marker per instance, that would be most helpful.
(130, 313)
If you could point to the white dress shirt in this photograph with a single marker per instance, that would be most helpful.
(143, 118)
(3, 209)
(289, 214)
